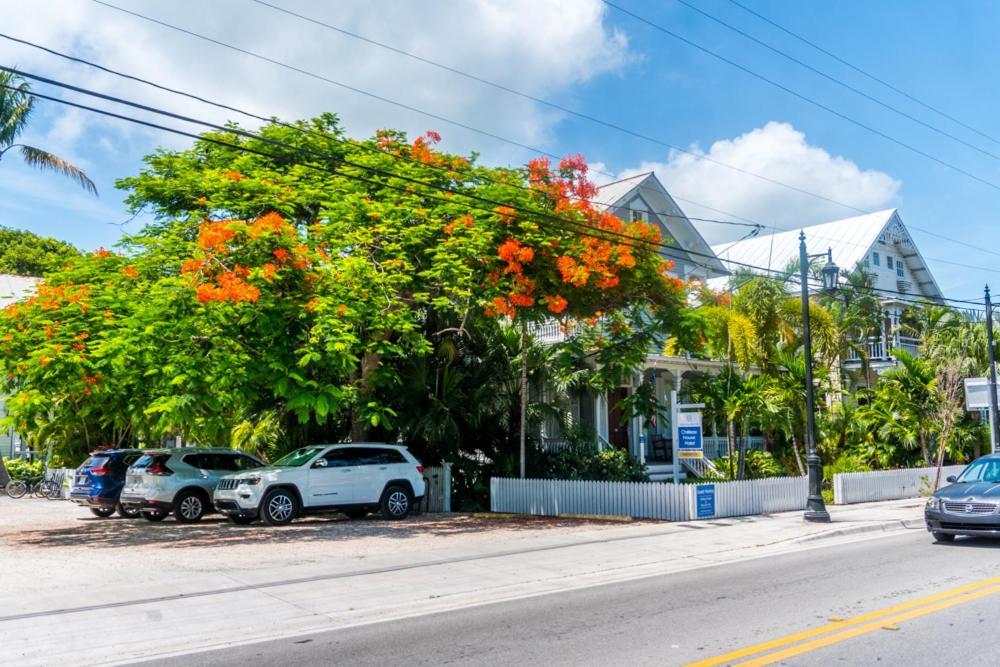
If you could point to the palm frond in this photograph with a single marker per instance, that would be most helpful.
(44, 160)
(15, 107)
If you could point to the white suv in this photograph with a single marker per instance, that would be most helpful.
(354, 479)
(180, 480)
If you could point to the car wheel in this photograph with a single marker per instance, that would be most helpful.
(102, 512)
(396, 502)
(154, 516)
(279, 507)
(189, 507)
(128, 512)
(943, 537)
(355, 514)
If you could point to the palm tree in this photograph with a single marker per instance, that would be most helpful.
(16, 104)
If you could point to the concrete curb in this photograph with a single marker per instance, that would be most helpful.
(882, 526)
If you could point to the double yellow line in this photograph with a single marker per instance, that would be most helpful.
(841, 630)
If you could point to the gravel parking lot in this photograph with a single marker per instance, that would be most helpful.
(63, 545)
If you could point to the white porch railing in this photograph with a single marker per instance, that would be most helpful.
(867, 487)
(646, 500)
(877, 349)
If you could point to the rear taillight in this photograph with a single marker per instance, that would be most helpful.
(100, 471)
(420, 469)
(159, 469)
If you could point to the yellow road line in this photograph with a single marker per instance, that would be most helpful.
(838, 637)
(841, 624)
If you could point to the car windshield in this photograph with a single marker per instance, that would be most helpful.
(298, 457)
(984, 470)
(95, 462)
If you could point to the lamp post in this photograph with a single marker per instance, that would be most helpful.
(815, 508)
(994, 416)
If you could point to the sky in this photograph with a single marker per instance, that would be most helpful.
(661, 103)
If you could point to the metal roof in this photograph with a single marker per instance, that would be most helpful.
(15, 288)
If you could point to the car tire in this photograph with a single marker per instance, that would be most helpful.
(242, 520)
(355, 514)
(189, 506)
(943, 537)
(154, 516)
(102, 512)
(397, 501)
(128, 513)
(279, 507)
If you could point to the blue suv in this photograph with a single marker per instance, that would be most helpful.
(98, 483)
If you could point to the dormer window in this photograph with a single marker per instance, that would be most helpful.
(639, 216)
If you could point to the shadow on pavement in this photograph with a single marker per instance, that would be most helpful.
(216, 531)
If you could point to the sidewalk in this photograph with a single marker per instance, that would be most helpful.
(183, 588)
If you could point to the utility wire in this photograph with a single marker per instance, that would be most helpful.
(796, 94)
(493, 135)
(834, 79)
(460, 124)
(863, 72)
(579, 227)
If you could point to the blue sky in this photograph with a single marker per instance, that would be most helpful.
(583, 55)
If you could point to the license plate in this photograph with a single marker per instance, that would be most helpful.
(83, 480)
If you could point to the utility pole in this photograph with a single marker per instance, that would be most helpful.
(994, 421)
(815, 508)
(524, 393)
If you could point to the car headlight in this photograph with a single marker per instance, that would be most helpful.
(250, 481)
(934, 504)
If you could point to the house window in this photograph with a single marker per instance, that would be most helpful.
(899, 270)
(888, 261)
(638, 216)
(875, 258)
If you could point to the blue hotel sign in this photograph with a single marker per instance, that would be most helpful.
(705, 500)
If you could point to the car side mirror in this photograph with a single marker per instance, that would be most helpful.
(320, 463)
(951, 479)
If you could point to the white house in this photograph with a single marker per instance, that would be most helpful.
(12, 288)
(643, 197)
(880, 244)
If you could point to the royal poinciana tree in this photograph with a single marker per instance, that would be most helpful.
(299, 272)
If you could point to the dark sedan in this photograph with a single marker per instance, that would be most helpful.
(970, 505)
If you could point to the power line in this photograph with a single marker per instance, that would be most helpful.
(571, 111)
(460, 124)
(863, 72)
(594, 232)
(794, 93)
(834, 79)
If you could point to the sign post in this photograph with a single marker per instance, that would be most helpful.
(686, 432)
(977, 397)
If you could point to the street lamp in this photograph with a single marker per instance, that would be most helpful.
(815, 508)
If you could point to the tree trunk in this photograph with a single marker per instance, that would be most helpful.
(360, 428)
(743, 453)
(798, 459)
(730, 438)
(524, 397)
(925, 450)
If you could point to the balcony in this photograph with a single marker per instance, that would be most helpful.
(877, 349)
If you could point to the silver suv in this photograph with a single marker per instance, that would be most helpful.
(353, 479)
(180, 480)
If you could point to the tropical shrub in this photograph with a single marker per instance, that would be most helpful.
(759, 464)
(22, 468)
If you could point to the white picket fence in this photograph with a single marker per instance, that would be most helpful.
(867, 487)
(647, 500)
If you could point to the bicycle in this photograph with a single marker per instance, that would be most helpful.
(38, 486)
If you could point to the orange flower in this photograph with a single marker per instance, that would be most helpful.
(130, 272)
(270, 271)
(506, 213)
(44, 361)
(213, 235)
(233, 175)
(281, 254)
(557, 304)
(313, 303)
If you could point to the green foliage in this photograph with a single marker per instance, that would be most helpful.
(581, 460)
(23, 469)
(25, 254)
(845, 463)
(759, 464)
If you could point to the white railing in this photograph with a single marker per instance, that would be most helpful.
(548, 332)
(878, 351)
(866, 487)
(715, 446)
(646, 500)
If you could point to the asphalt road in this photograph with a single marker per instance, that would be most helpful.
(899, 600)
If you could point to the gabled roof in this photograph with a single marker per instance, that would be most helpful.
(15, 288)
(850, 241)
(620, 195)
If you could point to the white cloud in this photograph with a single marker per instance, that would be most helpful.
(538, 46)
(779, 152)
